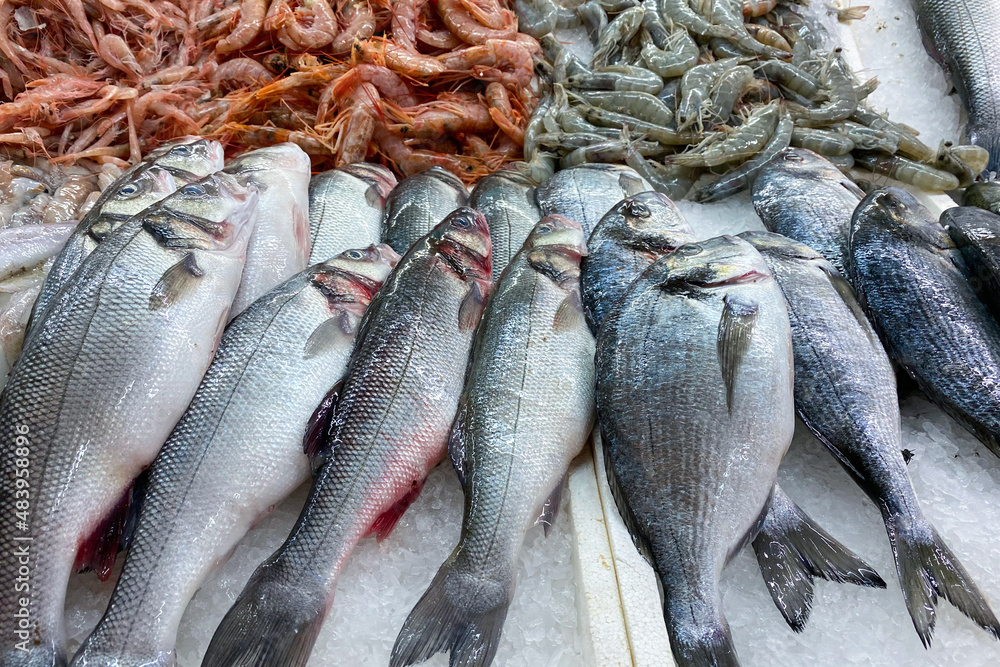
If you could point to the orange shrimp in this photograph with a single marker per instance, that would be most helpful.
(390, 85)
(7, 47)
(360, 26)
(115, 52)
(406, 62)
(240, 72)
(261, 135)
(464, 25)
(109, 95)
(440, 118)
(303, 28)
(252, 13)
(439, 39)
(497, 60)
(353, 140)
(502, 113)
(487, 12)
(409, 160)
(404, 23)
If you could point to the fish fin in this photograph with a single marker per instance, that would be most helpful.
(735, 331)
(387, 520)
(138, 497)
(318, 425)
(472, 308)
(631, 185)
(928, 570)
(373, 197)
(456, 441)
(792, 550)
(99, 550)
(441, 622)
(175, 282)
(846, 293)
(550, 508)
(569, 314)
(274, 621)
(709, 646)
(853, 188)
(332, 332)
(624, 509)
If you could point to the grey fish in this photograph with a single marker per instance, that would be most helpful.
(507, 199)
(99, 385)
(526, 411)
(236, 452)
(346, 207)
(984, 195)
(911, 279)
(845, 392)
(965, 36)
(158, 175)
(694, 396)
(418, 204)
(586, 192)
(805, 197)
(977, 234)
(634, 234)
(383, 429)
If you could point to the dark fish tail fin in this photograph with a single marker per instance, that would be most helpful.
(792, 550)
(459, 613)
(709, 645)
(273, 623)
(929, 570)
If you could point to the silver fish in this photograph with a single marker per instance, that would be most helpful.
(526, 411)
(507, 199)
(694, 395)
(586, 192)
(236, 452)
(100, 383)
(385, 430)
(279, 245)
(23, 248)
(418, 204)
(346, 207)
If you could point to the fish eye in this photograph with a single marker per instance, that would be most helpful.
(462, 222)
(194, 190)
(354, 254)
(183, 149)
(792, 157)
(689, 250)
(128, 189)
(543, 229)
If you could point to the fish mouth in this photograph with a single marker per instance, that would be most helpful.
(748, 278)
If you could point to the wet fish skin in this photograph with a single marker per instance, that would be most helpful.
(23, 248)
(139, 322)
(966, 36)
(586, 192)
(694, 396)
(507, 199)
(631, 236)
(279, 245)
(912, 282)
(418, 204)
(804, 197)
(984, 195)
(976, 233)
(526, 411)
(236, 452)
(346, 207)
(386, 429)
(845, 392)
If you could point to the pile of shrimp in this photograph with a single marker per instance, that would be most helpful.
(415, 83)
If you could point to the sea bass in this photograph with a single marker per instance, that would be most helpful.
(694, 396)
(346, 207)
(586, 192)
(803, 196)
(507, 199)
(418, 204)
(845, 392)
(526, 411)
(965, 38)
(163, 171)
(100, 384)
(279, 245)
(236, 452)
(909, 277)
(634, 234)
(385, 427)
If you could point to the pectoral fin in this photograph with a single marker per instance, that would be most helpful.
(735, 333)
(313, 442)
(456, 442)
(472, 308)
(630, 185)
(569, 314)
(333, 332)
(175, 283)
(550, 508)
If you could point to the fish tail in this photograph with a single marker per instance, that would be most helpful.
(928, 570)
(460, 613)
(274, 623)
(792, 550)
(709, 645)
(985, 135)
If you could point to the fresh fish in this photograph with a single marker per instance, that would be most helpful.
(383, 429)
(694, 396)
(586, 192)
(99, 385)
(985, 195)
(13, 318)
(977, 234)
(236, 452)
(964, 36)
(163, 171)
(23, 248)
(804, 197)
(845, 392)
(634, 234)
(279, 245)
(346, 206)
(418, 204)
(507, 199)
(910, 278)
(526, 411)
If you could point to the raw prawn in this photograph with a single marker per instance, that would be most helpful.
(252, 14)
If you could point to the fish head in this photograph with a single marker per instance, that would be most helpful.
(375, 175)
(146, 187)
(555, 247)
(720, 262)
(215, 213)
(190, 158)
(801, 163)
(971, 224)
(650, 223)
(350, 280)
(444, 176)
(463, 240)
(896, 212)
(779, 245)
(287, 156)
